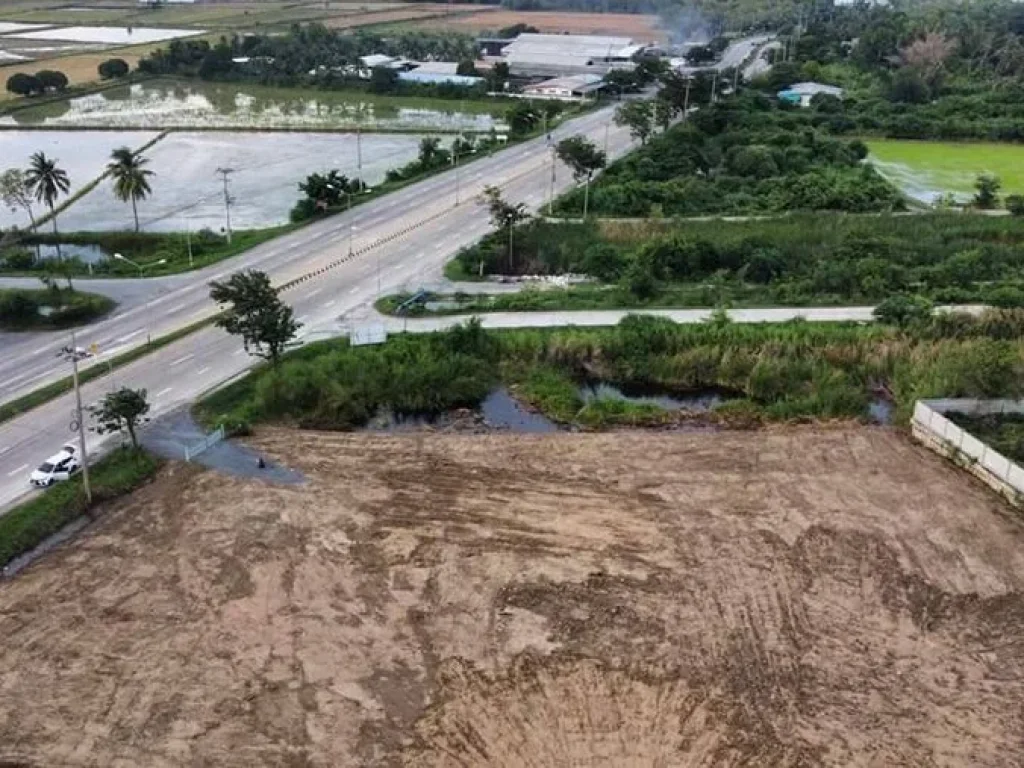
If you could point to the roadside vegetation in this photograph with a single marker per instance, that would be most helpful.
(794, 370)
(27, 525)
(49, 308)
(798, 260)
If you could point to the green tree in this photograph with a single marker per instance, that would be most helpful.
(48, 182)
(131, 178)
(16, 192)
(256, 313)
(504, 214)
(1014, 203)
(23, 84)
(52, 80)
(466, 67)
(522, 117)
(987, 195)
(638, 116)
(383, 80)
(902, 310)
(583, 158)
(113, 68)
(121, 411)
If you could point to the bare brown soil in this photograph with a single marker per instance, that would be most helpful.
(639, 27)
(781, 598)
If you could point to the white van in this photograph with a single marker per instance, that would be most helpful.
(60, 466)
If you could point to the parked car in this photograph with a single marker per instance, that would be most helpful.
(60, 466)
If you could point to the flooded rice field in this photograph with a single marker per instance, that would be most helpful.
(125, 35)
(187, 193)
(179, 104)
(83, 155)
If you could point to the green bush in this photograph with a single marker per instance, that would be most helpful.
(29, 524)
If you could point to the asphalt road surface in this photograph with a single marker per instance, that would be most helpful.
(398, 241)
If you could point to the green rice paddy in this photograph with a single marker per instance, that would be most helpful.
(926, 170)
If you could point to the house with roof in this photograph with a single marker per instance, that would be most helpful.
(800, 94)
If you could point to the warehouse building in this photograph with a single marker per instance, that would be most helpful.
(571, 88)
(538, 55)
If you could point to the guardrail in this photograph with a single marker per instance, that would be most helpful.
(205, 444)
(930, 427)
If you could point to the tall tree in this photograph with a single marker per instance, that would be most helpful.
(638, 117)
(16, 193)
(131, 178)
(583, 159)
(48, 182)
(121, 411)
(256, 313)
(504, 214)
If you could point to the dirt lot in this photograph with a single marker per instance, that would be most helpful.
(641, 28)
(789, 598)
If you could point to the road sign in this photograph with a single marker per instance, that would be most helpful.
(368, 334)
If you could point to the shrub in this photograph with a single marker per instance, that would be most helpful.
(113, 68)
(1015, 204)
(52, 80)
(24, 85)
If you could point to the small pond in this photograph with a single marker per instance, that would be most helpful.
(499, 410)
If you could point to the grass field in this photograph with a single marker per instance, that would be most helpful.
(777, 598)
(925, 169)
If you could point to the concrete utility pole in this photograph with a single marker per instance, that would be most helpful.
(72, 352)
(686, 99)
(225, 172)
(359, 158)
(551, 185)
(606, 126)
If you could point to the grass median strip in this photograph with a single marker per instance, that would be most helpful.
(56, 389)
(28, 525)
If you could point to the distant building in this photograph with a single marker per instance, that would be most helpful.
(570, 87)
(537, 55)
(802, 93)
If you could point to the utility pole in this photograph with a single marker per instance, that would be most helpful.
(586, 196)
(359, 157)
(225, 172)
(188, 240)
(551, 185)
(714, 85)
(606, 126)
(72, 352)
(686, 100)
(735, 79)
(455, 156)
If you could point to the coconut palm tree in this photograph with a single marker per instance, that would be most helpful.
(47, 182)
(131, 178)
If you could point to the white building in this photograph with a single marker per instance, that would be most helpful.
(537, 55)
(568, 88)
(802, 93)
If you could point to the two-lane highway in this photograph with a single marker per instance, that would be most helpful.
(399, 240)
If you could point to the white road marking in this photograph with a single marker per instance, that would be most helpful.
(163, 392)
(177, 308)
(239, 352)
(311, 294)
(202, 370)
(125, 338)
(353, 290)
(17, 471)
(181, 360)
(5, 449)
(329, 303)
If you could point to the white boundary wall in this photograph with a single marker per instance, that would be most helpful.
(935, 431)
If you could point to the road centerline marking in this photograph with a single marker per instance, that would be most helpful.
(17, 471)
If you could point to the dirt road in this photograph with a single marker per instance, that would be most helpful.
(780, 598)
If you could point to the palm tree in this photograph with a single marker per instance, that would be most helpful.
(47, 182)
(130, 178)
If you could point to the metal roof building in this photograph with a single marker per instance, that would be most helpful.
(535, 55)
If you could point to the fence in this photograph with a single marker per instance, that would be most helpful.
(205, 444)
(938, 433)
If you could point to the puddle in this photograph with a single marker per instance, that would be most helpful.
(499, 410)
(881, 411)
(700, 400)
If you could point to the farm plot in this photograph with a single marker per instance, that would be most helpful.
(639, 27)
(927, 170)
(107, 35)
(188, 194)
(83, 155)
(784, 598)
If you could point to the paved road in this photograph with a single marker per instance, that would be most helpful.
(399, 241)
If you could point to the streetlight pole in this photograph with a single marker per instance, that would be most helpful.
(351, 233)
(188, 240)
(73, 351)
(586, 195)
(606, 126)
(456, 156)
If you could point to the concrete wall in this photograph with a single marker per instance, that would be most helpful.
(935, 431)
